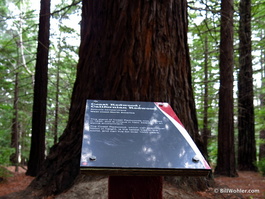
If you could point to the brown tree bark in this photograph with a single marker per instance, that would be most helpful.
(37, 149)
(246, 127)
(226, 150)
(130, 50)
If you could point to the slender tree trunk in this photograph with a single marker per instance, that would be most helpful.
(37, 150)
(57, 93)
(56, 118)
(205, 131)
(226, 150)
(246, 128)
(130, 50)
(15, 127)
(262, 105)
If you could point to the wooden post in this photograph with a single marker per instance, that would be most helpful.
(135, 187)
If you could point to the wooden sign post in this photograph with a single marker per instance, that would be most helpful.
(133, 143)
(140, 187)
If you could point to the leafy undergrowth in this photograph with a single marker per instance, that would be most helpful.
(249, 185)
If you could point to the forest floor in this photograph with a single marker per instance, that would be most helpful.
(249, 185)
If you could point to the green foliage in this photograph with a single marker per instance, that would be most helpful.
(204, 36)
(5, 154)
(5, 150)
(204, 53)
(5, 134)
(4, 173)
(18, 39)
(212, 150)
(261, 166)
(18, 42)
(62, 68)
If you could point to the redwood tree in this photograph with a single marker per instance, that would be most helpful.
(130, 50)
(37, 149)
(226, 150)
(246, 129)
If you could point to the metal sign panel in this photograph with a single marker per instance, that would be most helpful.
(137, 138)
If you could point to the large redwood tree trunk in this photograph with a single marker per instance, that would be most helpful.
(226, 164)
(130, 50)
(246, 124)
(37, 148)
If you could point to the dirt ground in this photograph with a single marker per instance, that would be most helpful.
(249, 185)
(16, 181)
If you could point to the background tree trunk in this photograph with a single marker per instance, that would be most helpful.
(14, 158)
(37, 150)
(262, 105)
(246, 128)
(56, 114)
(206, 132)
(226, 150)
(130, 50)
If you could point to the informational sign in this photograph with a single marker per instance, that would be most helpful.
(137, 138)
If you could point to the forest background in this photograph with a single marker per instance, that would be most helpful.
(18, 43)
